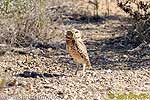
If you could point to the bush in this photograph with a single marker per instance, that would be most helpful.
(23, 22)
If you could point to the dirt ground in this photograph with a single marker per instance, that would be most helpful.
(47, 73)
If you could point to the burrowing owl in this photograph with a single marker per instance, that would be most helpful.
(77, 49)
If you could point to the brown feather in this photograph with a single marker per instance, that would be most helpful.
(77, 49)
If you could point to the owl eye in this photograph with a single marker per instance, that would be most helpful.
(76, 31)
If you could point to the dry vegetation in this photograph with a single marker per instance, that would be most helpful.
(34, 62)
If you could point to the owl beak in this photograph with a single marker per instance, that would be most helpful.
(74, 36)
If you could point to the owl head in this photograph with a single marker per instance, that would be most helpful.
(74, 34)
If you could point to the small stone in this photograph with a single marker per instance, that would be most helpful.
(46, 87)
(13, 83)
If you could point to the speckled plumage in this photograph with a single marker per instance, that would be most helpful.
(77, 49)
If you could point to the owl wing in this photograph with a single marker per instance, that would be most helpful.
(81, 48)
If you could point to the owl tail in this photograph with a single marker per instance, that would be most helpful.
(89, 65)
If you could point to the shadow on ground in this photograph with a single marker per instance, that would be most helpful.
(32, 74)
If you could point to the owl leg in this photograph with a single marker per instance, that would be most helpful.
(84, 69)
(77, 69)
